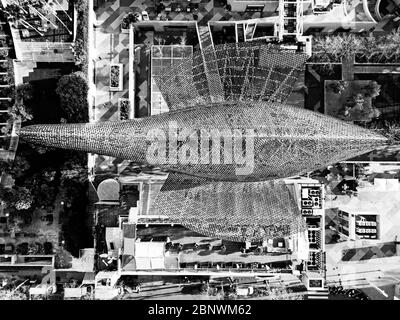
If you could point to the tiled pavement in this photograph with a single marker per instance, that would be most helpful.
(111, 48)
(382, 250)
(142, 72)
(111, 13)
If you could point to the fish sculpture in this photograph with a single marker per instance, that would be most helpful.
(227, 150)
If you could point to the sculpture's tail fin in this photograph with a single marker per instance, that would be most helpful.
(102, 138)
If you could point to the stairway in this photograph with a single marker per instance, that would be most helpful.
(22, 70)
(215, 87)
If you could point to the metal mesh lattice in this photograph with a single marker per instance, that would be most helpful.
(247, 80)
(233, 211)
(241, 71)
(287, 140)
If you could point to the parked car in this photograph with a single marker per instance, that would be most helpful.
(244, 291)
(145, 16)
(138, 16)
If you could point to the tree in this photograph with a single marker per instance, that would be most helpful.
(372, 89)
(15, 226)
(73, 92)
(17, 198)
(22, 93)
(16, 168)
(24, 199)
(78, 173)
(12, 295)
(63, 259)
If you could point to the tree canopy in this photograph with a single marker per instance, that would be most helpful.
(73, 90)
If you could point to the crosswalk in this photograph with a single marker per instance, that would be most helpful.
(317, 295)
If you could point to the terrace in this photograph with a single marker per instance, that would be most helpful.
(45, 38)
(199, 253)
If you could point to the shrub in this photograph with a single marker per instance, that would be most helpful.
(125, 108)
(131, 17)
(73, 91)
(18, 198)
(114, 76)
(81, 43)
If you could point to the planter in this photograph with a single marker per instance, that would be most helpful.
(125, 110)
(116, 77)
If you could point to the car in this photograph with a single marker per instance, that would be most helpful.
(136, 17)
(145, 16)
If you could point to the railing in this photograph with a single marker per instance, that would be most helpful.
(27, 260)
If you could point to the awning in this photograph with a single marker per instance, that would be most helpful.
(88, 278)
(149, 249)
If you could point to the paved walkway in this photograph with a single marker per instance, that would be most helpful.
(110, 49)
(112, 13)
